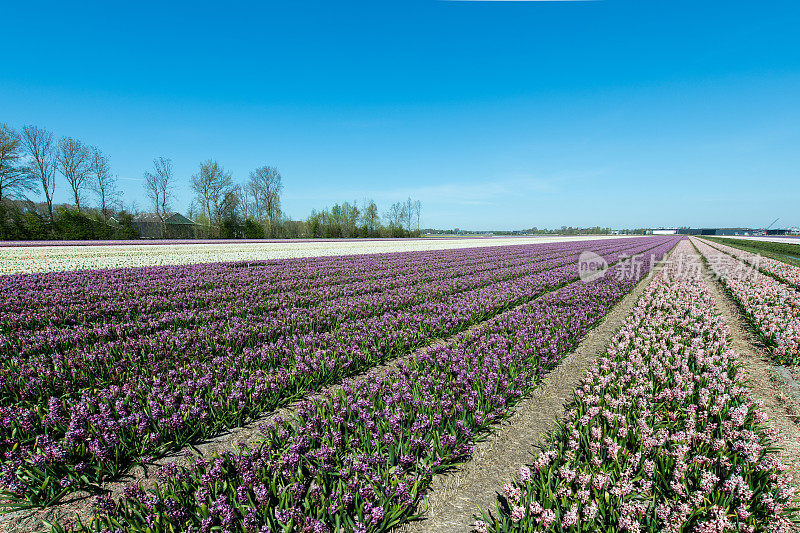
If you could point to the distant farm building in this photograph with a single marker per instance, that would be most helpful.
(170, 225)
(665, 231)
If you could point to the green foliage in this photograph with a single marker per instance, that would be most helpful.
(20, 221)
(74, 225)
(253, 230)
(126, 229)
(230, 229)
(17, 223)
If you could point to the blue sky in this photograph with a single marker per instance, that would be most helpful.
(494, 114)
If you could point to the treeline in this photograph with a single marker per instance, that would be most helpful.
(351, 220)
(32, 159)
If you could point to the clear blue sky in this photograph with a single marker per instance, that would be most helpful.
(494, 114)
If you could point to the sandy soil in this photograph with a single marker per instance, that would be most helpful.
(15, 260)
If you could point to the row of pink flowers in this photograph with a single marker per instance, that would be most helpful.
(661, 435)
(772, 306)
(778, 269)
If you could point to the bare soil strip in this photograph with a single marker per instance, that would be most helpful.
(455, 496)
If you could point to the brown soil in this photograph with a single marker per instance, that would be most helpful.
(454, 497)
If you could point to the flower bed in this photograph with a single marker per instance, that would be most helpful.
(778, 269)
(76, 418)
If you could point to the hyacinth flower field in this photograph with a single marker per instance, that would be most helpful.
(358, 460)
(104, 370)
(779, 270)
(92, 384)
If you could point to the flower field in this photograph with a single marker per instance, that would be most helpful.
(662, 435)
(103, 369)
(92, 385)
(359, 458)
(781, 271)
(771, 305)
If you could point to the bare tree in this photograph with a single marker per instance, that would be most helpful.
(408, 213)
(231, 209)
(369, 217)
(14, 180)
(103, 181)
(158, 185)
(163, 168)
(211, 184)
(265, 186)
(41, 150)
(74, 164)
(153, 191)
(245, 201)
(417, 212)
(395, 215)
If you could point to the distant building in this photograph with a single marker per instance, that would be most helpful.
(733, 231)
(665, 231)
(746, 232)
(170, 225)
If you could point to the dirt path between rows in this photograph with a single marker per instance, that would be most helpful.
(775, 384)
(455, 496)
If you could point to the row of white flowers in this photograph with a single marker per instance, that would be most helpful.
(16, 260)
